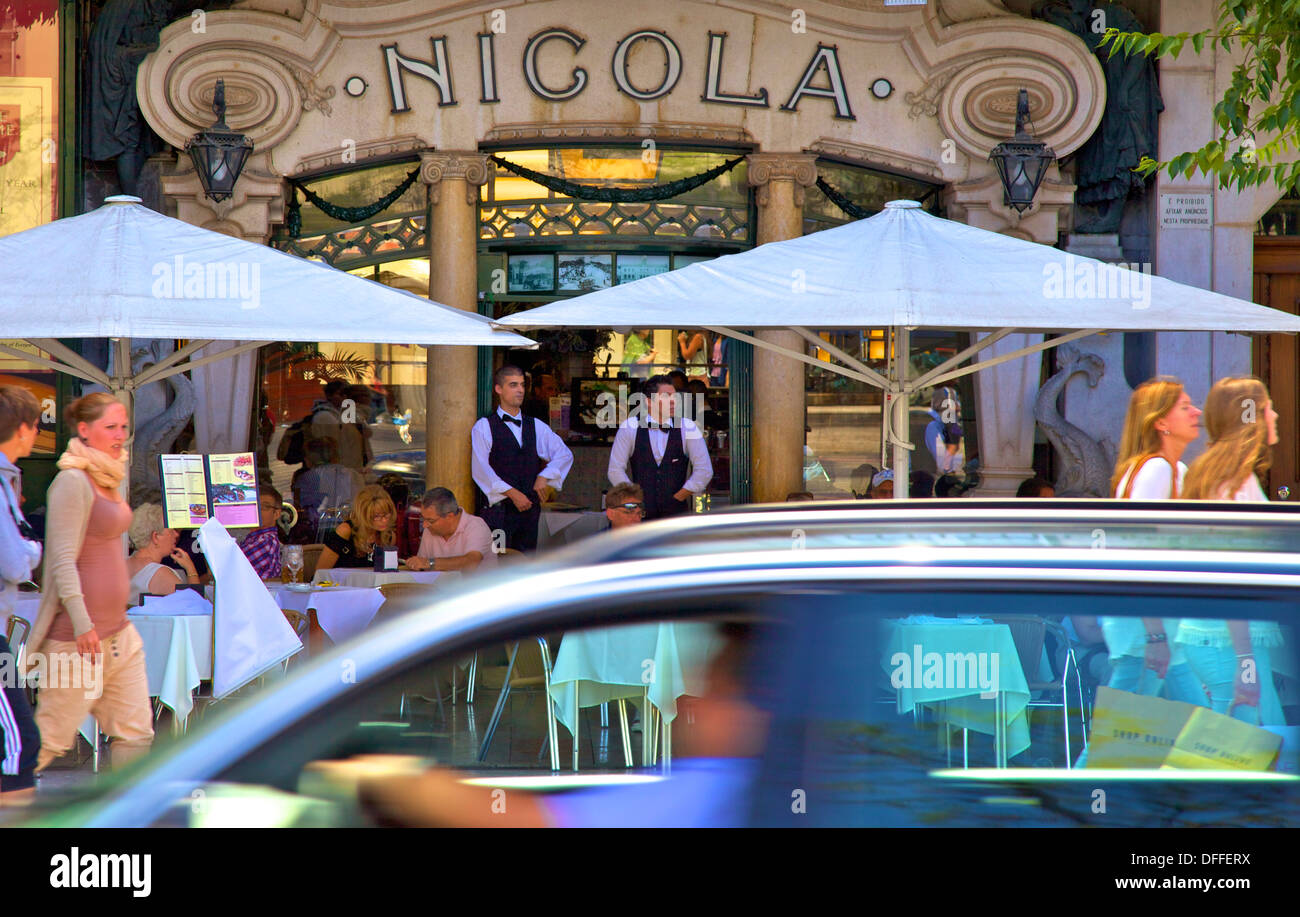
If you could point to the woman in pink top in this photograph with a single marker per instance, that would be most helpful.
(96, 656)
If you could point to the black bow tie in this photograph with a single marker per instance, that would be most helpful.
(518, 422)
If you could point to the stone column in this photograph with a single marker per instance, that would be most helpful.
(452, 382)
(779, 390)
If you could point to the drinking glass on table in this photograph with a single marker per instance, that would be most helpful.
(292, 562)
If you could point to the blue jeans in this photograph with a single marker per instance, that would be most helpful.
(1216, 666)
(1130, 673)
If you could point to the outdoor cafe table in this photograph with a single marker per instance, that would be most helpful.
(177, 650)
(657, 663)
(369, 578)
(342, 611)
(1003, 716)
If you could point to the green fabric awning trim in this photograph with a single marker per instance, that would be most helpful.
(618, 195)
(344, 214)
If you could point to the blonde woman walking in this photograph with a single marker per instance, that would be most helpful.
(1161, 423)
(83, 608)
(1233, 658)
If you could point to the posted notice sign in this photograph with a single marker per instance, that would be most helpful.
(1187, 211)
(201, 487)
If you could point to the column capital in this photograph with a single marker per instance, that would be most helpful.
(798, 168)
(468, 166)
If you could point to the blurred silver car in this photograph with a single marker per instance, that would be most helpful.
(819, 587)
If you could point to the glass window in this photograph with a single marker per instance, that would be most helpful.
(337, 416)
(516, 208)
(844, 446)
(898, 705)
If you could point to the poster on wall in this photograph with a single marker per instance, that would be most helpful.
(197, 488)
(40, 382)
(27, 151)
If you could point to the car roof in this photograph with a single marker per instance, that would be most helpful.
(956, 525)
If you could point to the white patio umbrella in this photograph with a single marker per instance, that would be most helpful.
(125, 271)
(906, 269)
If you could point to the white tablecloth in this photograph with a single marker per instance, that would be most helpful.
(369, 578)
(177, 652)
(342, 611)
(663, 660)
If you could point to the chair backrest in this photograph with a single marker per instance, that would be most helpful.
(17, 626)
(1028, 632)
(310, 558)
(300, 623)
(528, 664)
(403, 597)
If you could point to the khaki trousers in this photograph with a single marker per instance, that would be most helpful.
(122, 708)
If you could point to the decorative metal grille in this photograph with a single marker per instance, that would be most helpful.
(561, 217)
(368, 243)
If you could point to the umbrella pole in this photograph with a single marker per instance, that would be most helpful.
(900, 421)
(119, 390)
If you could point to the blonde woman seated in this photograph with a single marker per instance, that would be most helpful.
(153, 543)
(373, 522)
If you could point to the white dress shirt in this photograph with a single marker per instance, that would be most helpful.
(555, 455)
(620, 455)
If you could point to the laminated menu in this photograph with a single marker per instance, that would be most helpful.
(197, 488)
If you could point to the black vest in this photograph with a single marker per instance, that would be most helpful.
(517, 465)
(661, 481)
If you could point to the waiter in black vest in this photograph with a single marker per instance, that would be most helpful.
(517, 461)
(661, 452)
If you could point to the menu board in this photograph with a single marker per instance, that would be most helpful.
(197, 488)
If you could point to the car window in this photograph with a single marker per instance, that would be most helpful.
(852, 704)
(917, 708)
(647, 672)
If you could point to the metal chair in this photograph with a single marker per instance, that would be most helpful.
(301, 625)
(1029, 633)
(16, 626)
(518, 680)
(400, 598)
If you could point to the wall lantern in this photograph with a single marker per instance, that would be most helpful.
(218, 152)
(1021, 161)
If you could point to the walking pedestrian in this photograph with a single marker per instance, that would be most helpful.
(20, 740)
(82, 618)
(1234, 658)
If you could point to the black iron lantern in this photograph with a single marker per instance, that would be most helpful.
(1021, 161)
(218, 152)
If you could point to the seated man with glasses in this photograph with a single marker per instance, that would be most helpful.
(262, 545)
(453, 539)
(624, 505)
